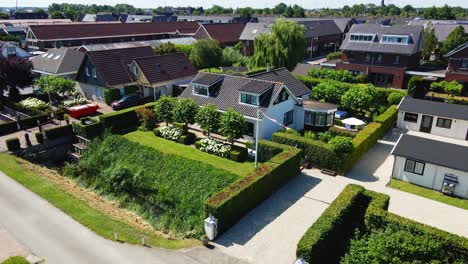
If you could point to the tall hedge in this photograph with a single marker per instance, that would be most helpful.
(88, 131)
(122, 120)
(32, 121)
(236, 200)
(8, 128)
(59, 132)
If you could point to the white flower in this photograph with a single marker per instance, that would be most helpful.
(76, 101)
(171, 133)
(33, 103)
(215, 147)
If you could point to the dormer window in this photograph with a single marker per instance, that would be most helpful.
(395, 39)
(200, 89)
(248, 98)
(362, 37)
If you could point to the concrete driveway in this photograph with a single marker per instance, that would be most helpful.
(269, 234)
(49, 233)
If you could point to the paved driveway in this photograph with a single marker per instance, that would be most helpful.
(49, 233)
(269, 234)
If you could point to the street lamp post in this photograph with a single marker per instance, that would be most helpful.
(256, 137)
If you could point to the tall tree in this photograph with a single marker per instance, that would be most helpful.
(456, 38)
(206, 53)
(282, 47)
(184, 111)
(208, 118)
(430, 41)
(55, 84)
(15, 73)
(164, 107)
(279, 9)
(232, 125)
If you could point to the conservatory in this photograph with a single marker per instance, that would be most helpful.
(318, 114)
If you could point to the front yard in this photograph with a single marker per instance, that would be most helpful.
(190, 152)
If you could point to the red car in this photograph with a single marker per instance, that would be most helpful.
(82, 110)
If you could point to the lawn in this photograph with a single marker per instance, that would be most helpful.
(170, 147)
(80, 210)
(430, 194)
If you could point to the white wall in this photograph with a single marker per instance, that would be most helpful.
(432, 178)
(91, 92)
(457, 130)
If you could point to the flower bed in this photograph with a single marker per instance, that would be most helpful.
(33, 104)
(170, 133)
(214, 147)
(75, 101)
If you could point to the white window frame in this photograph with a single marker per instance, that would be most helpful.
(87, 71)
(93, 71)
(414, 166)
(255, 96)
(287, 121)
(201, 86)
(388, 36)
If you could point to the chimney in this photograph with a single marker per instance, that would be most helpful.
(383, 3)
(268, 67)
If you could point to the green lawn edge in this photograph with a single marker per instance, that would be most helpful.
(429, 194)
(81, 211)
(170, 147)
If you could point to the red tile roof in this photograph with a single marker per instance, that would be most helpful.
(112, 65)
(224, 33)
(83, 31)
(161, 68)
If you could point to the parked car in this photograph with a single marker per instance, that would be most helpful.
(125, 102)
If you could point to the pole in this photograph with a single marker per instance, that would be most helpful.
(256, 138)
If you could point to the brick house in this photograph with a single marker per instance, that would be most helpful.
(227, 34)
(382, 53)
(457, 69)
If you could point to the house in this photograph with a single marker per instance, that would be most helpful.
(30, 15)
(432, 162)
(446, 120)
(272, 104)
(11, 30)
(152, 43)
(11, 49)
(156, 75)
(382, 53)
(250, 33)
(63, 62)
(108, 69)
(99, 17)
(44, 37)
(443, 30)
(457, 69)
(227, 34)
(297, 88)
(304, 68)
(214, 19)
(164, 18)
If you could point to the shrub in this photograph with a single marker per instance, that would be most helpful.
(39, 137)
(58, 132)
(308, 81)
(249, 144)
(88, 131)
(164, 108)
(187, 138)
(334, 55)
(170, 133)
(123, 120)
(184, 111)
(8, 128)
(111, 95)
(215, 147)
(15, 260)
(13, 144)
(394, 98)
(232, 124)
(341, 145)
(414, 84)
(337, 131)
(208, 118)
(324, 136)
(147, 118)
(238, 154)
(329, 91)
(310, 135)
(337, 75)
(33, 104)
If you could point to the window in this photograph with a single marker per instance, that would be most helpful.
(11, 51)
(368, 56)
(247, 43)
(411, 117)
(444, 122)
(397, 59)
(93, 70)
(379, 58)
(362, 37)
(87, 71)
(464, 63)
(414, 166)
(249, 99)
(288, 118)
(395, 39)
(200, 89)
(283, 96)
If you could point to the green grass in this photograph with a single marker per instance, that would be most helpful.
(170, 147)
(15, 260)
(430, 194)
(81, 211)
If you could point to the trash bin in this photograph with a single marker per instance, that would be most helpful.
(211, 227)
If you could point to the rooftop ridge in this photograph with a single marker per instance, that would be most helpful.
(126, 48)
(160, 55)
(242, 77)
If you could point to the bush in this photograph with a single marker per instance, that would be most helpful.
(59, 132)
(308, 81)
(234, 201)
(32, 121)
(39, 137)
(8, 128)
(88, 131)
(337, 75)
(170, 133)
(341, 145)
(238, 154)
(327, 239)
(15, 260)
(32, 103)
(249, 144)
(336, 131)
(111, 95)
(13, 144)
(215, 147)
(324, 136)
(310, 135)
(415, 83)
(334, 55)
(123, 120)
(394, 98)
(187, 138)
(388, 118)
(267, 150)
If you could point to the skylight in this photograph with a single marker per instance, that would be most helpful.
(44, 55)
(362, 37)
(254, 31)
(50, 56)
(57, 57)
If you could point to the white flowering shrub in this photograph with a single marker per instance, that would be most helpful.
(215, 147)
(75, 101)
(33, 103)
(170, 132)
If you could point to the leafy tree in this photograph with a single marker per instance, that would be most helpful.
(184, 111)
(187, 49)
(166, 48)
(55, 84)
(341, 144)
(279, 9)
(57, 15)
(232, 57)
(15, 73)
(283, 47)
(164, 107)
(206, 53)
(359, 98)
(147, 118)
(298, 11)
(232, 125)
(329, 91)
(239, 47)
(430, 41)
(208, 118)
(453, 88)
(4, 16)
(456, 38)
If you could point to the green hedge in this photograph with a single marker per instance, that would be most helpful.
(388, 118)
(327, 239)
(236, 200)
(188, 138)
(59, 132)
(238, 154)
(32, 121)
(123, 120)
(316, 152)
(8, 128)
(39, 137)
(88, 131)
(13, 144)
(111, 95)
(337, 131)
(267, 150)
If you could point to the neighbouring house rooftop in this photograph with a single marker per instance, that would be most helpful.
(432, 151)
(282, 75)
(458, 49)
(253, 30)
(318, 28)
(223, 32)
(455, 111)
(130, 44)
(58, 61)
(443, 30)
(304, 68)
(320, 106)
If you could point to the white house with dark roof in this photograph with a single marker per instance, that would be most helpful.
(446, 120)
(63, 62)
(432, 162)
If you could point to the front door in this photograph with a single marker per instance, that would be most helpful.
(426, 124)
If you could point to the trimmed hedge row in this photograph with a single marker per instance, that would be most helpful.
(8, 128)
(267, 150)
(59, 132)
(123, 120)
(388, 118)
(88, 131)
(327, 239)
(13, 144)
(315, 151)
(32, 121)
(233, 202)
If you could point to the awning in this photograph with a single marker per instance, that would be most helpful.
(352, 121)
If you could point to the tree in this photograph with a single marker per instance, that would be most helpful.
(456, 38)
(15, 73)
(57, 15)
(232, 125)
(329, 91)
(298, 11)
(4, 16)
(185, 111)
(232, 57)
(147, 118)
(208, 118)
(55, 84)
(359, 98)
(453, 88)
(283, 47)
(164, 107)
(206, 53)
(430, 41)
(279, 9)
(166, 48)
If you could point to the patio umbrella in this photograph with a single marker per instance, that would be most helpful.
(352, 121)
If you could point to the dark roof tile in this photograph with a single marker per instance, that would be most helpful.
(409, 104)
(168, 67)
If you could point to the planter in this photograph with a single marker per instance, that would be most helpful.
(328, 172)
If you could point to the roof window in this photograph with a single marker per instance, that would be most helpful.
(362, 37)
(395, 39)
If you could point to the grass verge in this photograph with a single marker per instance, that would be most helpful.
(170, 147)
(429, 194)
(81, 211)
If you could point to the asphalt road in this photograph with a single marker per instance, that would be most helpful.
(51, 234)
